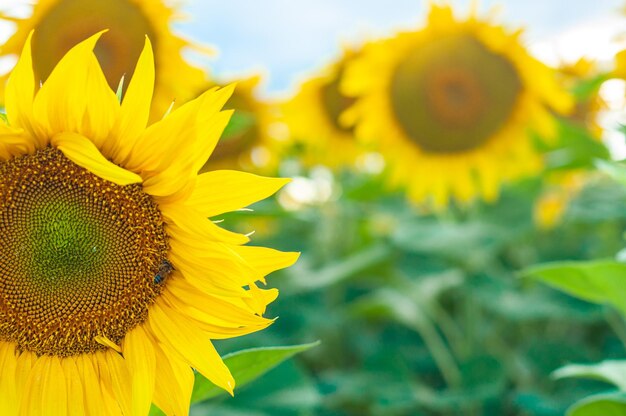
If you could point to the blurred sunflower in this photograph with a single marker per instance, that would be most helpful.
(583, 73)
(245, 143)
(620, 65)
(61, 24)
(314, 118)
(451, 105)
(560, 189)
(111, 273)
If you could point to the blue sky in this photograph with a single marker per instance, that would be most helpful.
(286, 39)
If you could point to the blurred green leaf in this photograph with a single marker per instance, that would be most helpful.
(586, 88)
(393, 304)
(246, 366)
(615, 170)
(450, 240)
(155, 411)
(336, 272)
(3, 117)
(610, 371)
(608, 404)
(239, 123)
(596, 281)
(578, 148)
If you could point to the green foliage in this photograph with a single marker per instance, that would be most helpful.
(616, 170)
(424, 313)
(598, 281)
(608, 404)
(610, 371)
(246, 366)
(239, 123)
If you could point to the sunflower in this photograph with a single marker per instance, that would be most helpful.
(587, 108)
(451, 105)
(314, 119)
(246, 142)
(61, 24)
(559, 190)
(111, 271)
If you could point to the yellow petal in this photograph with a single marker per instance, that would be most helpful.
(172, 393)
(135, 108)
(19, 95)
(25, 362)
(75, 393)
(112, 362)
(110, 401)
(266, 260)
(203, 322)
(8, 364)
(213, 260)
(192, 221)
(45, 392)
(173, 179)
(141, 359)
(76, 97)
(107, 343)
(84, 153)
(219, 311)
(223, 191)
(94, 400)
(177, 134)
(260, 298)
(179, 334)
(15, 142)
(208, 279)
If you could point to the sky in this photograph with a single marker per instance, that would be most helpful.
(286, 40)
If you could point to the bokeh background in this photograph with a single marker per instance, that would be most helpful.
(424, 305)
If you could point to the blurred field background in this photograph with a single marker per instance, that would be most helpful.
(421, 275)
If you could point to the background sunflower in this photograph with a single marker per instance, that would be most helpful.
(451, 105)
(62, 23)
(246, 142)
(313, 116)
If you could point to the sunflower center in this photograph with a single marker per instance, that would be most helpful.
(80, 256)
(69, 22)
(335, 103)
(453, 94)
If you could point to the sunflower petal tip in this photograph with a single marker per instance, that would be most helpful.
(103, 340)
(230, 387)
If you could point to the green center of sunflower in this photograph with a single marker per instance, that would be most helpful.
(69, 22)
(80, 256)
(335, 103)
(453, 94)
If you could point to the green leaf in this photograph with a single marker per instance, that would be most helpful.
(155, 411)
(609, 371)
(577, 148)
(597, 281)
(616, 170)
(239, 123)
(585, 89)
(607, 404)
(120, 89)
(337, 272)
(246, 366)
(3, 117)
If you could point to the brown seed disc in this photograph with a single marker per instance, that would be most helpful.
(453, 94)
(79, 255)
